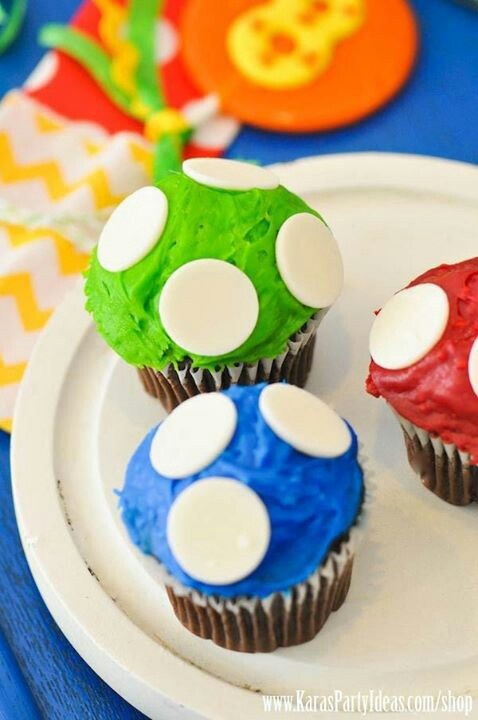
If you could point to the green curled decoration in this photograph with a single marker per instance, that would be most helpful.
(11, 23)
(141, 23)
(89, 54)
(142, 19)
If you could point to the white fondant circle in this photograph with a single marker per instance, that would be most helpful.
(218, 530)
(473, 366)
(304, 421)
(309, 260)
(166, 41)
(209, 307)
(216, 133)
(408, 326)
(229, 174)
(193, 435)
(133, 229)
(44, 72)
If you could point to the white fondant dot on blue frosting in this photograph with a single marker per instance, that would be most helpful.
(218, 530)
(304, 421)
(193, 435)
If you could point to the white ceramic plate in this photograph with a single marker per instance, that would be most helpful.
(410, 623)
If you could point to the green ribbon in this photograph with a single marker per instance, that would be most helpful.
(142, 18)
(89, 54)
(168, 153)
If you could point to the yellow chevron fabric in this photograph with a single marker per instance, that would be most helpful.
(58, 183)
(51, 176)
(37, 267)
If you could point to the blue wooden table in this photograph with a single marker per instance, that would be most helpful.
(437, 114)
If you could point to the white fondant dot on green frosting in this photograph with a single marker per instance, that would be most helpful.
(209, 307)
(473, 366)
(218, 529)
(408, 326)
(309, 260)
(304, 421)
(193, 435)
(227, 174)
(133, 229)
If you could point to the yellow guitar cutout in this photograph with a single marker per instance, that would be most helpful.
(284, 44)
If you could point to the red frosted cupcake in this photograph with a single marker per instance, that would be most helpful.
(424, 348)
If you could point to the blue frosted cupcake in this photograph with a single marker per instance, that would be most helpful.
(250, 500)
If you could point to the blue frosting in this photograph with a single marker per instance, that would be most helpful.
(311, 501)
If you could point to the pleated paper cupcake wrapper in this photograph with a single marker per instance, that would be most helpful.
(174, 385)
(443, 468)
(282, 619)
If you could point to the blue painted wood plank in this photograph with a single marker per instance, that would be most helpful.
(16, 700)
(62, 685)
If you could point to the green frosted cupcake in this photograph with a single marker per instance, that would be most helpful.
(218, 275)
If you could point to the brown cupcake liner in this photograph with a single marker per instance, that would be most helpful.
(174, 385)
(282, 619)
(260, 627)
(443, 468)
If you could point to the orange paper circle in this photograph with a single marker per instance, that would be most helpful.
(367, 70)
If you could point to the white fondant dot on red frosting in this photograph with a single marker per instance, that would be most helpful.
(227, 174)
(408, 326)
(309, 260)
(193, 435)
(166, 41)
(133, 229)
(44, 72)
(209, 307)
(304, 421)
(201, 110)
(473, 366)
(218, 529)
(216, 133)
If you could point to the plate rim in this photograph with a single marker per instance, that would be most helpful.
(37, 506)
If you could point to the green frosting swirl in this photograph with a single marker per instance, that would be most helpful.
(203, 222)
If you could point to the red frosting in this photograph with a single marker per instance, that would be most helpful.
(435, 393)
